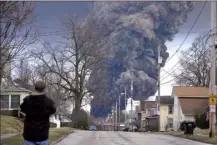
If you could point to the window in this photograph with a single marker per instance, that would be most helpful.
(10, 101)
(170, 109)
(15, 101)
(4, 101)
(170, 123)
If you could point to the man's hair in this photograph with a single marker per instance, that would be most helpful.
(40, 86)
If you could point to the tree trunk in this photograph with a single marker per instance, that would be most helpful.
(75, 112)
(1, 77)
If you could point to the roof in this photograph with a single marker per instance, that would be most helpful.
(167, 100)
(147, 104)
(190, 91)
(20, 83)
(192, 106)
(11, 87)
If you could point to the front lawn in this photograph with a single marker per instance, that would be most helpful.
(55, 134)
(200, 135)
(204, 139)
(10, 125)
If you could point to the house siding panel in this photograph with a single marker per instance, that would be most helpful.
(164, 111)
(177, 114)
(13, 112)
(189, 118)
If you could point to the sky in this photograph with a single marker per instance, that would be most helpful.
(49, 15)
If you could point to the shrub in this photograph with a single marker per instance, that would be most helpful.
(53, 125)
(201, 122)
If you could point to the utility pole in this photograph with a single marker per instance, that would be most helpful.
(131, 118)
(113, 115)
(116, 115)
(212, 87)
(119, 117)
(125, 103)
(158, 98)
(125, 100)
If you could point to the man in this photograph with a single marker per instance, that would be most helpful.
(38, 109)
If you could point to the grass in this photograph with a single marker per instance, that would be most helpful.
(201, 136)
(55, 134)
(10, 125)
(203, 132)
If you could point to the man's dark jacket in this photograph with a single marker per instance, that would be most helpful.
(38, 109)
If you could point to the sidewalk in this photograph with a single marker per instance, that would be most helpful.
(5, 136)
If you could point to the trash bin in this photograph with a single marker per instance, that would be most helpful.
(189, 127)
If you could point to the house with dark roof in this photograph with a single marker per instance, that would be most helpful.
(166, 113)
(188, 101)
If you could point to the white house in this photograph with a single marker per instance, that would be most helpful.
(188, 101)
(11, 97)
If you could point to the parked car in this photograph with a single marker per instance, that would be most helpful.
(92, 128)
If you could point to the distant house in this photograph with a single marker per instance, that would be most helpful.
(11, 97)
(166, 113)
(148, 115)
(188, 101)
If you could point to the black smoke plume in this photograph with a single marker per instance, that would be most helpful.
(135, 30)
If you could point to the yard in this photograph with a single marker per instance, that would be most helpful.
(201, 135)
(55, 134)
(11, 125)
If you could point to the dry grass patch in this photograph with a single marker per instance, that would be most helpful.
(10, 125)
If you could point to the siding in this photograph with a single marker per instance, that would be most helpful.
(13, 112)
(189, 118)
(178, 115)
(164, 115)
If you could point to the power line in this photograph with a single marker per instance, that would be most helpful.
(185, 56)
(59, 32)
(185, 70)
(188, 32)
(170, 73)
(187, 60)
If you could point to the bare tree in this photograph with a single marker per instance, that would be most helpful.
(195, 64)
(54, 90)
(15, 20)
(25, 75)
(24, 71)
(58, 95)
(73, 60)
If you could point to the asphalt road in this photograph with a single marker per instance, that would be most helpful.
(122, 138)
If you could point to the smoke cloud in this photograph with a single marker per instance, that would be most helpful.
(136, 30)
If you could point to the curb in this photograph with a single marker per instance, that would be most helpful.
(60, 139)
